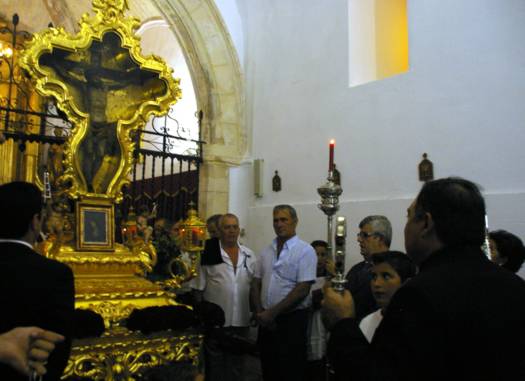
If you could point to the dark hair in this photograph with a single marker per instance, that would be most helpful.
(399, 261)
(288, 208)
(318, 243)
(457, 208)
(214, 219)
(19, 202)
(510, 247)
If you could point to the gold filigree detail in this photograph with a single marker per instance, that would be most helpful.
(147, 254)
(112, 312)
(128, 356)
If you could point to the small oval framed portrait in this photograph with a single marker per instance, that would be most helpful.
(95, 227)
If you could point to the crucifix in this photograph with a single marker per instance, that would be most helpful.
(106, 87)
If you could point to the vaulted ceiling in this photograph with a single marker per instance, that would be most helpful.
(35, 15)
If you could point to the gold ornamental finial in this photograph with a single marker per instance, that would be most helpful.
(110, 7)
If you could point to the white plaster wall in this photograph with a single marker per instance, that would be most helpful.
(461, 101)
(232, 19)
(240, 196)
(361, 41)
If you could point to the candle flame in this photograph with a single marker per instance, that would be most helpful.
(332, 142)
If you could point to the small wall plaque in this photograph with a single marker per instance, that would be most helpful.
(426, 169)
(276, 182)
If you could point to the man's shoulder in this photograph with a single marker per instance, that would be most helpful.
(467, 280)
(53, 271)
(268, 249)
(301, 242)
(55, 265)
(48, 265)
(303, 246)
(246, 250)
(358, 267)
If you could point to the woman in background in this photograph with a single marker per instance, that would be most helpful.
(506, 250)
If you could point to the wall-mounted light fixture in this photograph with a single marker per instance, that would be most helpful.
(258, 175)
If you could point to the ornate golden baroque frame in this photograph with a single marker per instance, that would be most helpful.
(95, 230)
(77, 69)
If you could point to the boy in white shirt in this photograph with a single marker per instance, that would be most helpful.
(390, 271)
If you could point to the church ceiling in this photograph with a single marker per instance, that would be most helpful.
(35, 15)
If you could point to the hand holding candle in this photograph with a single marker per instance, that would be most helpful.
(331, 156)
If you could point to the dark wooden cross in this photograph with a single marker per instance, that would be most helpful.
(105, 69)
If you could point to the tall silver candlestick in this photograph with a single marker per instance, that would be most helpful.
(330, 193)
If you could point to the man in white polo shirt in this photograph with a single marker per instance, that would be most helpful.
(224, 279)
(280, 294)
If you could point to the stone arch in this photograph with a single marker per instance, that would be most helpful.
(218, 82)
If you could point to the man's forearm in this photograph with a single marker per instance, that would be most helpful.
(294, 297)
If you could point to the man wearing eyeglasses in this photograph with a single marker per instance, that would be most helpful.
(224, 278)
(375, 235)
(442, 323)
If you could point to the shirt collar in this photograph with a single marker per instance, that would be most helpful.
(288, 244)
(220, 245)
(241, 248)
(17, 241)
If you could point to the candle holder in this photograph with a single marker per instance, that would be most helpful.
(192, 232)
(330, 193)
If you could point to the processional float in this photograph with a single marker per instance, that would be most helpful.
(107, 90)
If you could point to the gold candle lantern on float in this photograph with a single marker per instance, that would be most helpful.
(192, 232)
(191, 237)
(129, 228)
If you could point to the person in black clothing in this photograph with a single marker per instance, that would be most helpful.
(375, 235)
(34, 290)
(212, 225)
(444, 323)
(506, 250)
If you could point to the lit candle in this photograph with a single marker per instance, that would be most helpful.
(331, 157)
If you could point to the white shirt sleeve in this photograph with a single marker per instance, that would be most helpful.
(199, 282)
(308, 265)
(258, 268)
(251, 261)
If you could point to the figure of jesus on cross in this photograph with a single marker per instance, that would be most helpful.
(93, 77)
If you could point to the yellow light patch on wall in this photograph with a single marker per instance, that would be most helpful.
(391, 37)
(378, 39)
